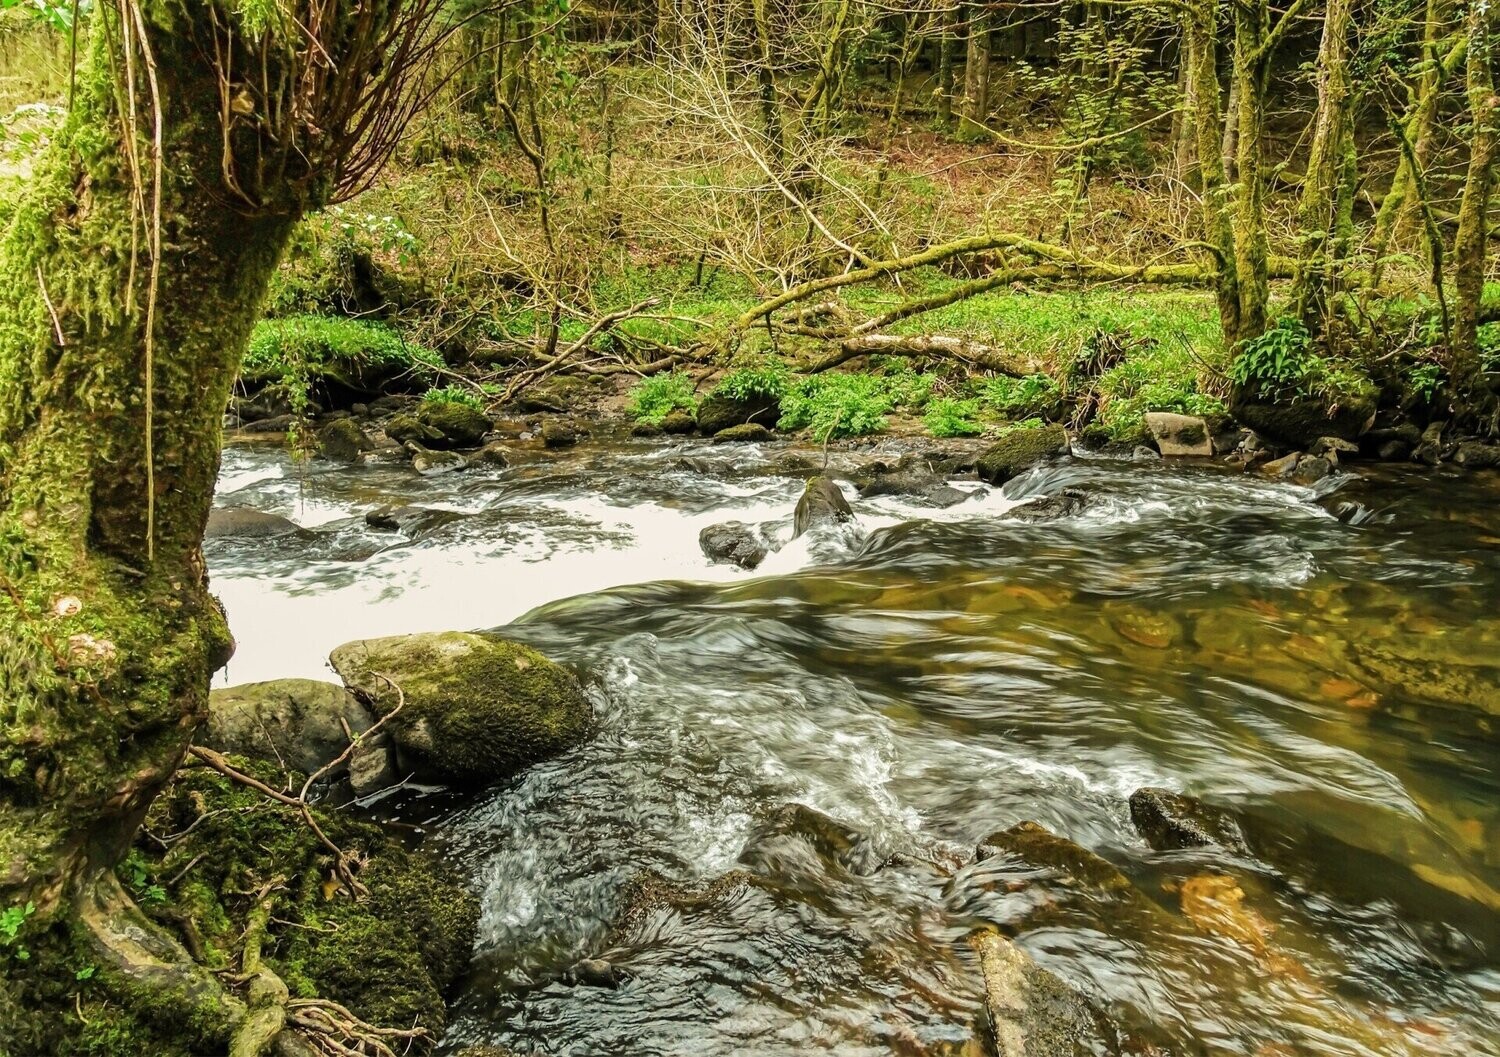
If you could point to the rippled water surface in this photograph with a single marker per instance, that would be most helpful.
(1323, 665)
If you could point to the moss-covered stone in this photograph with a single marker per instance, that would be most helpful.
(1020, 450)
(343, 441)
(477, 708)
(456, 425)
(718, 412)
(1301, 421)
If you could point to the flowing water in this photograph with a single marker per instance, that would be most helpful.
(1322, 664)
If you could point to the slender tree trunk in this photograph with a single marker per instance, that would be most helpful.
(1317, 214)
(946, 35)
(976, 110)
(1199, 24)
(1252, 247)
(1469, 247)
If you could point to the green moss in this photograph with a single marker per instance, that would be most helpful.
(1020, 450)
(356, 352)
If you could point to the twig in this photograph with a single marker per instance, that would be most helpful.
(62, 342)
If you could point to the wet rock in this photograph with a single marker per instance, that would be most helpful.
(1144, 627)
(343, 441)
(1429, 449)
(1039, 846)
(296, 723)
(277, 424)
(796, 840)
(393, 403)
(271, 402)
(718, 412)
(911, 479)
(678, 423)
(749, 432)
(1333, 448)
(1477, 455)
(1141, 453)
(1030, 1012)
(428, 462)
(734, 542)
(409, 429)
(485, 1051)
(1168, 820)
(1311, 469)
(478, 708)
(646, 429)
(245, 523)
(559, 433)
(1394, 450)
(457, 425)
(822, 503)
(494, 454)
(794, 464)
(1020, 450)
(1180, 435)
(372, 765)
(1070, 502)
(1281, 467)
(648, 898)
(411, 521)
(594, 972)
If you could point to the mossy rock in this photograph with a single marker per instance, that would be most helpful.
(343, 441)
(559, 394)
(748, 433)
(403, 428)
(455, 425)
(478, 708)
(1020, 450)
(678, 423)
(299, 721)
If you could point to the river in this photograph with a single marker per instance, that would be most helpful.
(1323, 664)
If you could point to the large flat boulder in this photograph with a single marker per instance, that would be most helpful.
(478, 708)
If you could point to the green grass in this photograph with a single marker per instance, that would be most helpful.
(308, 345)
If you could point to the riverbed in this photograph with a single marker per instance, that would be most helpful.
(1323, 664)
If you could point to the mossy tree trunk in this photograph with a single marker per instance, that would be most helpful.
(1469, 248)
(1252, 54)
(1319, 212)
(108, 633)
(976, 103)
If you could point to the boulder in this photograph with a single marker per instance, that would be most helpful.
(558, 432)
(428, 462)
(478, 708)
(1333, 448)
(1301, 422)
(1070, 502)
(795, 839)
(1031, 1012)
(718, 412)
(734, 542)
(493, 454)
(409, 429)
(244, 523)
(559, 394)
(343, 441)
(822, 503)
(456, 425)
(294, 723)
(750, 431)
(1178, 435)
(410, 521)
(645, 429)
(1020, 450)
(1430, 449)
(1168, 820)
(911, 482)
(1281, 467)
(678, 423)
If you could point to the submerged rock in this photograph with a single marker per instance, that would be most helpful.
(245, 523)
(734, 542)
(1039, 846)
(911, 479)
(822, 503)
(1169, 820)
(428, 462)
(1030, 1012)
(298, 723)
(1020, 450)
(559, 433)
(343, 441)
(478, 708)
(410, 521)
(718, 412)
(798, 840)
(1070, 502)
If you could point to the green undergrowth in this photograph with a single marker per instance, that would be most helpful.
(312, 345)
(1282, 365)
(654, 398)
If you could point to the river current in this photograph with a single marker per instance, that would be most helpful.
(1323, 665)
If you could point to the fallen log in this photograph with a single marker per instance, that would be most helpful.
(978, 354)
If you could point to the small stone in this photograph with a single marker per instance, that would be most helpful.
(1311, 470)
(1281, 467)
(494, 454)
(733, 542)
(1394, 450)
(428, 462)
(594, 972)
(558, 433)
(372, 766)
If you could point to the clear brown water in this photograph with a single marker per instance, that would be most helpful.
(1324, 665)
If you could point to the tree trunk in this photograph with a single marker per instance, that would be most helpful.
(1218, 228)
(108, 634)
(1252, 246)
(1465, 369)
(976, 110)
(1317, 214)
(946, 42)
